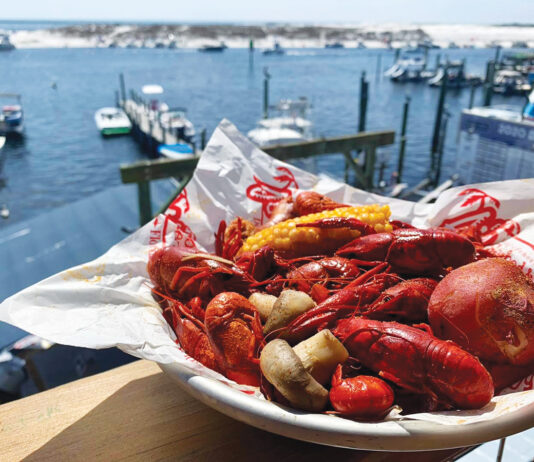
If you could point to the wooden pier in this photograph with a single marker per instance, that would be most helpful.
(146, 125)
(147, 128)
(351, 146)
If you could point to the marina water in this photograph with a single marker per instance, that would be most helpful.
(62, 157)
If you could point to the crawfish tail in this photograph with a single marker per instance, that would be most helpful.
(416, 360)
(406, 301)
(362, 290)
(413, 251)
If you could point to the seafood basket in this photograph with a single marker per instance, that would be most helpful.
(108, 302)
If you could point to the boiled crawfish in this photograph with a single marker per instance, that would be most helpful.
(184, 276)
(235, 333)
(362, 396)
(414, 359)
(412, 250)
(191, 333)
(328, 271)
(373, 295)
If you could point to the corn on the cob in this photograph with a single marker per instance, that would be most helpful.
(287, 238)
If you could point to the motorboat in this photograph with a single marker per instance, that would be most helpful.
(334, 45)
(520, 44)
(112, 121)
(2, 142)
(290, 125)
(455, 75)
(213, 48)
(510, 82)
(175, 120)
(275, 50)
(177, 151)
(410, 67)
(155, 105)
(5, 43)
(11, 115)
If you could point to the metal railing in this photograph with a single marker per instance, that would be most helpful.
(351, 146)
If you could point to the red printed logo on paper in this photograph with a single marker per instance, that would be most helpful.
(183, 234)
(523, 385)
(479, 213)
(268, 194)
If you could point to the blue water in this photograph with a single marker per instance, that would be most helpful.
(62, 157)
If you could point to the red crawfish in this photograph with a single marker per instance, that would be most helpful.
(235, 334)
(312, 202)
(406, 301)
(414, 359)
(363, 396)
(413, 251)
(191, 333)
(362, 291)
(376, 296)
(185, 276)
(329, 271)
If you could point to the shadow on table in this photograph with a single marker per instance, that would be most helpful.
(167, 424)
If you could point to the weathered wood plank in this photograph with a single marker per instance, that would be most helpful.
(135, 413)
(147, 170)
(145, 204)
(164, 168)
(331, 145)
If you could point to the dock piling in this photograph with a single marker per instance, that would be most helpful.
(203, 139)
(145, 206)
(488, 83)
(122, 86)
(364, 94)
(266, 77)
(472, 96)
(434, 152)
(402, 147)
(441, 146)
(438, 61)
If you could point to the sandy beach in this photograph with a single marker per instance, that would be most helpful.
(288, 35)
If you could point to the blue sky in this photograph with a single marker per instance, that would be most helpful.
(342, 11)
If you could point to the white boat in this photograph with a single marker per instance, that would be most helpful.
(275, 50)
(289, 126)
(410, 67)
(2, 142)
(176, 121)
(112, 121)
(11, 115)
(177, 151)
(510, 82)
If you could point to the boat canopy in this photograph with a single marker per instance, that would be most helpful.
(152, 89)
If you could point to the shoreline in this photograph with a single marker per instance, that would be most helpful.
(191, 36)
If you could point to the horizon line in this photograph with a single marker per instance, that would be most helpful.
(260, 22)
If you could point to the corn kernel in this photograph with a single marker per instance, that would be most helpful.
(285, 236)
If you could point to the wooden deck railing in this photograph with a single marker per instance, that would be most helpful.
(350, 146)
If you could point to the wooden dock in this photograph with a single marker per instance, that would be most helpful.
(146, 125)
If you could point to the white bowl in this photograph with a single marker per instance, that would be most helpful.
(406, 435)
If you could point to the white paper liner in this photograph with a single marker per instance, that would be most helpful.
(107, 302)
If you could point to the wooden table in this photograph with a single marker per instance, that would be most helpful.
(135, 412)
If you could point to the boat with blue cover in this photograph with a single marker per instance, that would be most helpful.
(11, 115)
